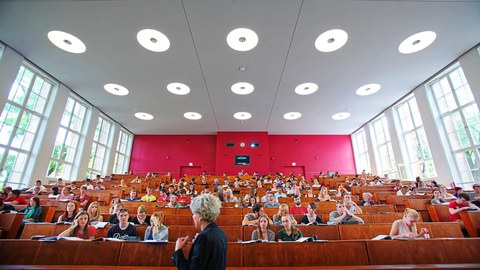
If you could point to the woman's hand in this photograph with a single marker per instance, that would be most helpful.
(181, 243)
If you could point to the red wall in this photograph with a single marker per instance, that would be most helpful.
(225, 160)
(311, 153)
(315, 152)
(167, 153)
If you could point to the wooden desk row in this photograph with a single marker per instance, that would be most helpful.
(331, 253)
(235, 233)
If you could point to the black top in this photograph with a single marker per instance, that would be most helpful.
(209, 251)
(136, 221)
(304, 220)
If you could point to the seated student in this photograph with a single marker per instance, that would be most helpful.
(59, 183)
(340, 191)
(282, 210)
(173, 202)
(88, 184)
(32, 214)
(163, 197)
(94, 213)
(311, 217)
(229, 197)
(142, 218)
(191, 190)
(83, 198)
(252, 218)
(38, 184)
(33, 211)
(458, 190)
(298, 208)
(459, 205)
(444, 194)
(323, 195)
(156, 231)
(280, 193)
(288, 232)
(476, 197)
(6, 207)
(149, 197)
(14, 198)
(133, 196)
(114, 217)
(122, 183)
(367, 199)
(350, 204)
(403, 191)
(262, 232)
(343, 215)
(406, 227)
(414, 192)
(69, 213)
(123, 229)
(66, 194)
(270, 202)
(437, 199)
(114, 202)
(183, 198)
(81, 227)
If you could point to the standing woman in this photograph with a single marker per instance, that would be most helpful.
(262, 232)
(94, 213)
(157, 231)
(81, 227)
(407, 226)
(209, 248)
(288, 232)
(69, 213)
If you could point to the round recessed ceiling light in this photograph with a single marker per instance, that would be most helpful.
(306, 89)
(331, 40)
(178, 88)
(153, 40)
(242, 39)
(192, 115)
(143, 116)
(242, 88)
(368, 89)
(417, 42)
(292, 115)
(66, 42)
(242, 115)
(341, 116)
(116, 89)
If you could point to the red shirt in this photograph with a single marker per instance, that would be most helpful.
(185, 199)
(91, 231)
(163, 199)
(20, 200)
(455, 205)
(298, 210)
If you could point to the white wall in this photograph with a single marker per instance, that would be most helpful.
(42, 150)
(442, 157)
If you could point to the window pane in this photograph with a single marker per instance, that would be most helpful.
(472, 117)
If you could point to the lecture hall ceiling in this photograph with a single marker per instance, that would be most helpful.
(199, 57)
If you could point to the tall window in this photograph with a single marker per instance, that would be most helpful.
(122, 155)
(362, 159)
(461, 122)
(100, 148)
(416, 151)
(20, 121)
(67, 140)
(383, 147)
